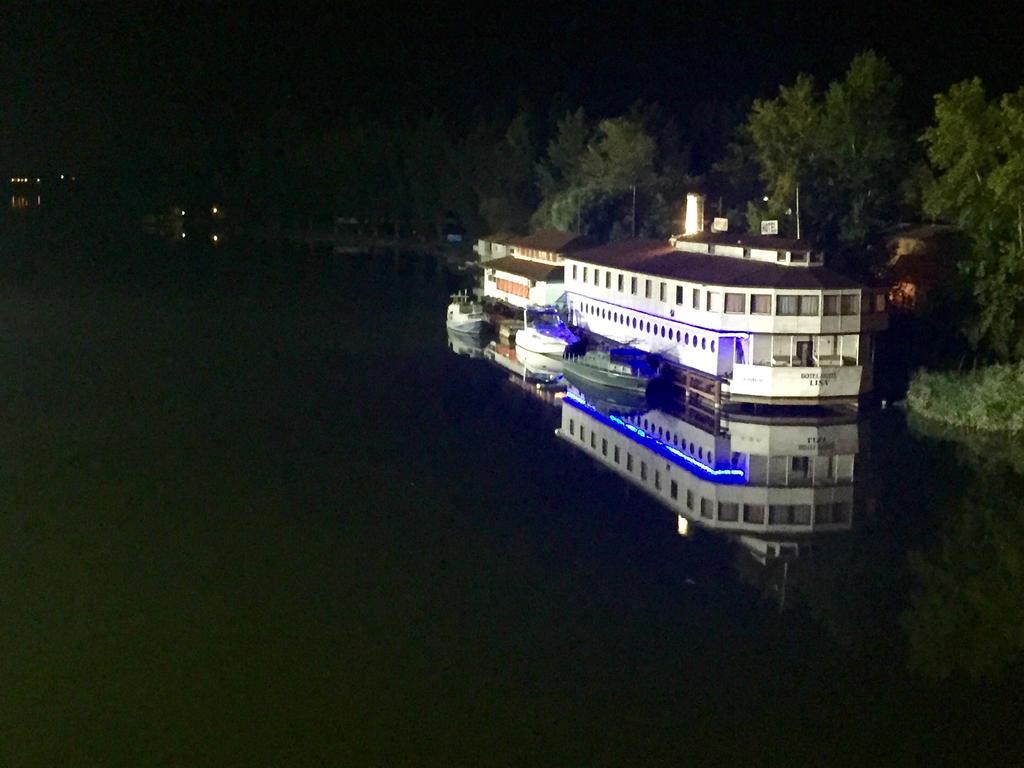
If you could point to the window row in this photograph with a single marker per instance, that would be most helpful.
(646, 326)
(737, 303)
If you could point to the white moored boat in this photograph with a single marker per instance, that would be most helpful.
(465, 315)
(545, 334)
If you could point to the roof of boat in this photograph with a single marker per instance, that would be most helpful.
(660, 258)
(553, 241)
(534, 270)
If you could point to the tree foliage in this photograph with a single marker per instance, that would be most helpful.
(845, 149)
(976, 148)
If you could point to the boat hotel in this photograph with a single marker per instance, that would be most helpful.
(743, 318)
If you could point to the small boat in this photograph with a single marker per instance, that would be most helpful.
(623, 369)
(544, 333)
(466, 315)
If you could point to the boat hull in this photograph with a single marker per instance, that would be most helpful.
(534, 342)
(475, 325)
(577, 369)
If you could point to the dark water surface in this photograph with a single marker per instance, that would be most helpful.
(255, 512)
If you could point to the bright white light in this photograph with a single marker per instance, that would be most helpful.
(182, 235)
(214, 209)
(62, 177)
(766, 198)
(693, 219)
(684, 526)
(216, 238)
(183, 212)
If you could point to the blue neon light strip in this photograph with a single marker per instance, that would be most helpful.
(723, 334)
(637, 435)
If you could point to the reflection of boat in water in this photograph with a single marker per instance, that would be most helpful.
(465, 315)
(545, 334)
(769, 485)
(536, 363)
(535, 369)
(625, 369)
(467, 344)
(608, 399)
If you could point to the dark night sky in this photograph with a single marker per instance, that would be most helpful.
(91, 85)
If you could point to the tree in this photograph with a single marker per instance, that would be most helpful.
(846, 151)
(976, 148)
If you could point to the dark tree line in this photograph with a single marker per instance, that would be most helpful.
(838, 162)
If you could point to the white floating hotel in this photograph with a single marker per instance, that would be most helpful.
(759, 317)
(772, 484)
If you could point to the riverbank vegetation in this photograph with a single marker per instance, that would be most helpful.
(988, 399)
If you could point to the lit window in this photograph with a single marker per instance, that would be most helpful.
(736, 303)
(787, 305)
(760, 304)
(661, 292)
(696, 298)
(809, 306)
(632, 285)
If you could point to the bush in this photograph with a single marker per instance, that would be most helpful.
(989, 399)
